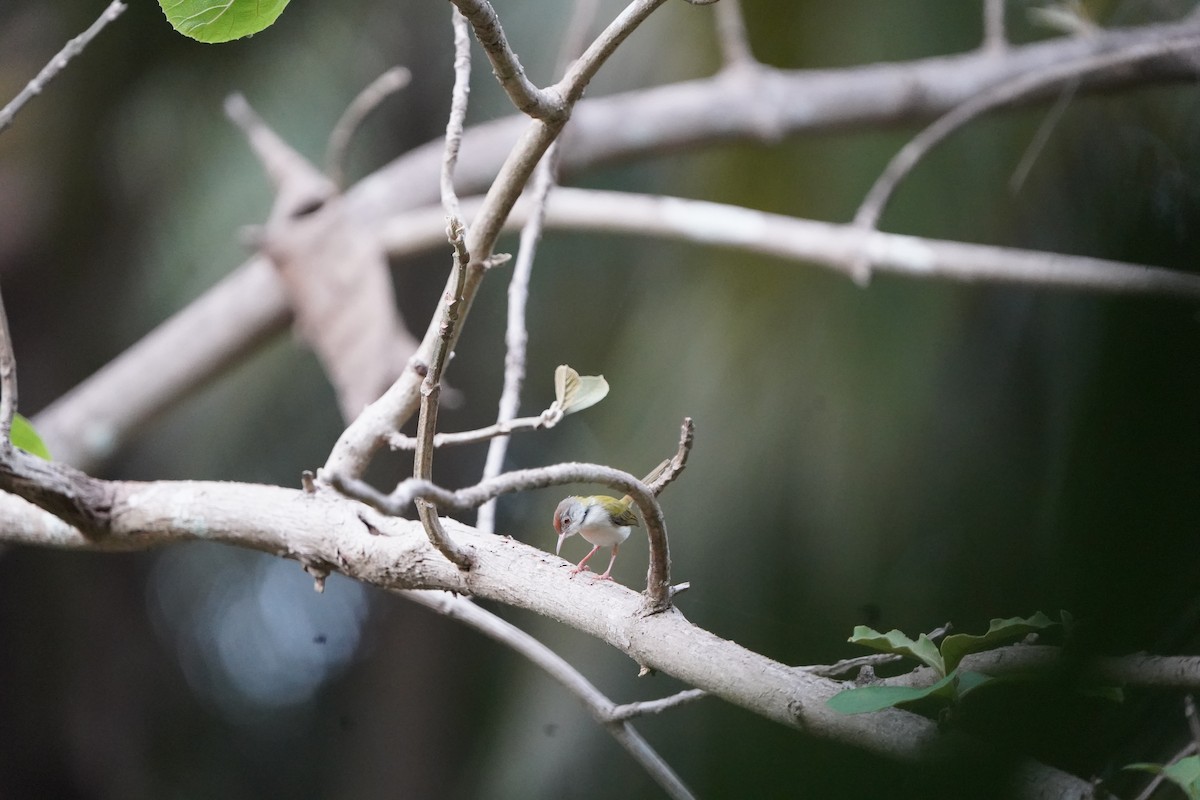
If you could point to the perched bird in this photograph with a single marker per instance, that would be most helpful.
(601, 520)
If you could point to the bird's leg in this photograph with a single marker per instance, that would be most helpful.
(580, 566)
(611, 561)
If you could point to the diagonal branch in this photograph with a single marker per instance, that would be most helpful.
(355, 447)
(544, 104)
(56, 64)
(325, 529)
(614, 718)
(1035, 82)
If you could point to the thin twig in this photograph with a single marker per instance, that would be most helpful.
(431, 388)
(527, 97)
(1029, 83)
(516, 335)
(994, 37)
(358, 443)
(659, 578)
(458, 114)
(687, 437)
(614, 718)
(731, 35)
(585, 67)
(851, 664)
(447, 318)
(645, 707)
(367, 101)
(547, 419)
(1190, 748)
(574, 37)
(60, 60)
(1189, 714)
(1041, 136)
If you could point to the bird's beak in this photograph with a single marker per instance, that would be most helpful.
(558, 546)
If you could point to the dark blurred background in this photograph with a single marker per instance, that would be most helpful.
(901, 456)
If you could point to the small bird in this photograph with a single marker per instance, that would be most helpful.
(601, 520)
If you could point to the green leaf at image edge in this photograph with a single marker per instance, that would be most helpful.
(26, 438)
(214, 21)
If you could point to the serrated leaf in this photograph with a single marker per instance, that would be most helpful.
(999, 632)
(864, 699)
(575, 392)
(1184, 773)
(26, 438)
(215, 21)
(923, 649)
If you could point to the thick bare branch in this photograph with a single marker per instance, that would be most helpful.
(325, 529)
(397, 502)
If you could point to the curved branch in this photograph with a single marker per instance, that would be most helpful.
(658, 588)
(1025, 85)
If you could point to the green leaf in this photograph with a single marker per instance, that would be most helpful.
(1184, 773)
(26, 438)
(574, 392)
(1000, 631)
(864, 699)
(923, 649)
(221, 20)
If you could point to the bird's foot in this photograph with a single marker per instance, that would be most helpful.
(576, 570)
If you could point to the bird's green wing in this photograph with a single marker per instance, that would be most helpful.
(625, 517)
